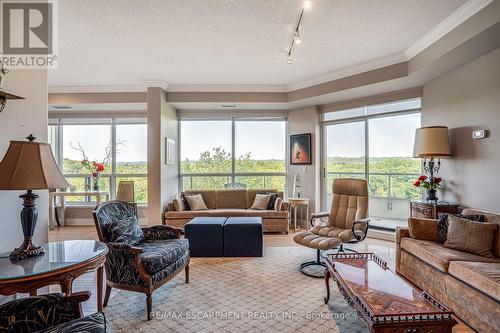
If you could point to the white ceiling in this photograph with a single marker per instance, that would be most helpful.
(231, 42)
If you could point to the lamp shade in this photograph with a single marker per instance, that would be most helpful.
(432, 141)
(30, 166)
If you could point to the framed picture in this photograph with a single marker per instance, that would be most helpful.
(169, 151)
(300, 149)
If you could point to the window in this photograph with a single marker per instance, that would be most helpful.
(207, 148)
(120, 143)
(375, 143)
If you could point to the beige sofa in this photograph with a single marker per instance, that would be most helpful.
(468, 284)
(230, 203)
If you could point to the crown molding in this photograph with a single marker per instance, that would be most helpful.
(456, 18)
(226, 88)
(95, 89)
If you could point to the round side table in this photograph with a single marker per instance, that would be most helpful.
(61, 264)
(294, 203)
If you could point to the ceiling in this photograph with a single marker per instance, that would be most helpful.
(232, 42)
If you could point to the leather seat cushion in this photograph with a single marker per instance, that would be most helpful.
(437, 255)
(316, 241)
(159, 254)
(484, 276)
(187, 214)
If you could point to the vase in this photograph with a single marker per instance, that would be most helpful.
(96, 177)
(431, 195)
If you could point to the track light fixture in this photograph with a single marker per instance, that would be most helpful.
(297, 38)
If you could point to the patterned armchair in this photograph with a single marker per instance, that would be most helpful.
(50, 313)
(145, 266)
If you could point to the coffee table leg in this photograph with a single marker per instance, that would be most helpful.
(327, 283)
(99, 289)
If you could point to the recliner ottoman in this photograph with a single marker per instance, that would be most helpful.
(243, 237)
(205, 235)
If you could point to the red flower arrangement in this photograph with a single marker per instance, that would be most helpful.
(423, 181)
(94, 167)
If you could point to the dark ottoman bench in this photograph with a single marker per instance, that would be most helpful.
(243, 237)
(205, 236)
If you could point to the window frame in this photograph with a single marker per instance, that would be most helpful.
(233, 174)
(112, 176)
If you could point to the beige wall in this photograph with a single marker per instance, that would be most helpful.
(464, 100)
(17, 121)
(301, 121)
(162, 179)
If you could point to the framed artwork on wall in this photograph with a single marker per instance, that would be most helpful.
(169, 151)
(300, 149)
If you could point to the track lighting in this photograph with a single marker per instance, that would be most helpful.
(297, 38)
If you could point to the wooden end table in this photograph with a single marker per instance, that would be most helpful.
(294, 203)
(384, 300)
(61, 264)
(430, 210)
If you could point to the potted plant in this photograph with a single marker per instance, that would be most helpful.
(430, 185)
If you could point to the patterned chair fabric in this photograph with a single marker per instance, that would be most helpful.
(50, 313)
(146, 265)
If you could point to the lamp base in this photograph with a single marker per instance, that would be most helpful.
(27, 250)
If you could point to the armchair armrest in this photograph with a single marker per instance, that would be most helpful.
(123, 265)
(158, 232)
(41, 312)
(360, 229)
(318, 215)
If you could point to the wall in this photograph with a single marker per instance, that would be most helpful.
(301, 121)
(18, 120)
(467, 99)
(162, 179)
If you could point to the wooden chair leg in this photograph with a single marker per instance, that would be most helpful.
(149, 305)
(106, 296)
(186, 270)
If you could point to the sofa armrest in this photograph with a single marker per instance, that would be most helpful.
(401, 232)
(158, 232)
(40, 312)
(285, 206)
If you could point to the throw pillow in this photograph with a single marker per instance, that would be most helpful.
(185, 202)
(423, 229)
(196, 202)
(261, 201)
(470, 236)
(126, 231)
(272, 200)
(442, 230)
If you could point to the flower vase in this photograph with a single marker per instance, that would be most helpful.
(431, 195)
(96, 177)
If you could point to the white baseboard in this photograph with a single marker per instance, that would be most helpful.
(380, 234)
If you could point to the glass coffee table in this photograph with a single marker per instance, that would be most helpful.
(61, 264)
(382, 299)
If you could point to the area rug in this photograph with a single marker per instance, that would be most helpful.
(265, 294)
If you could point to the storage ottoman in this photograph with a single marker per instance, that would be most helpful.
(243, 237)
(205, 235)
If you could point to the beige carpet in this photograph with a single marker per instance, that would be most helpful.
(239, 295)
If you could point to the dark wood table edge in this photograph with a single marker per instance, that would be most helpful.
(64, 277)
(393, 321)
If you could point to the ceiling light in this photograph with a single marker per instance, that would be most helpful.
(307, 4)
(289, 59)
(296, 37)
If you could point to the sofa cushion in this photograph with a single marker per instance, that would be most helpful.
(126, 231)
(443, 224)
(267, 213)
(228, 212)
(490, 218)
(251, 193)
(470, 236)
(231, 198)
(196, 202)
(159, 254)
(94, 323)
(208, 196)
(187, 214)
(484, 276)
(437, 255)
(424, 229)
(261, 201)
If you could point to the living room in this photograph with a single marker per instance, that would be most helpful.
(262, 154)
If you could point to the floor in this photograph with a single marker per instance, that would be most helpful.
(382, 248)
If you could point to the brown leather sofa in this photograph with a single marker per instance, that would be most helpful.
(230, 203)
(468, 284)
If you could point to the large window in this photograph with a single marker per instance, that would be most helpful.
(375, 143)
(234, 153)
(120, 143)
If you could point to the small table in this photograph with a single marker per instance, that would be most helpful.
(430, 210)
(52, 204)
(382, 299)
(61, 264)
(294, 203)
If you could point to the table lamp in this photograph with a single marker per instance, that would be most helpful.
(29, 165)
(431, 142)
